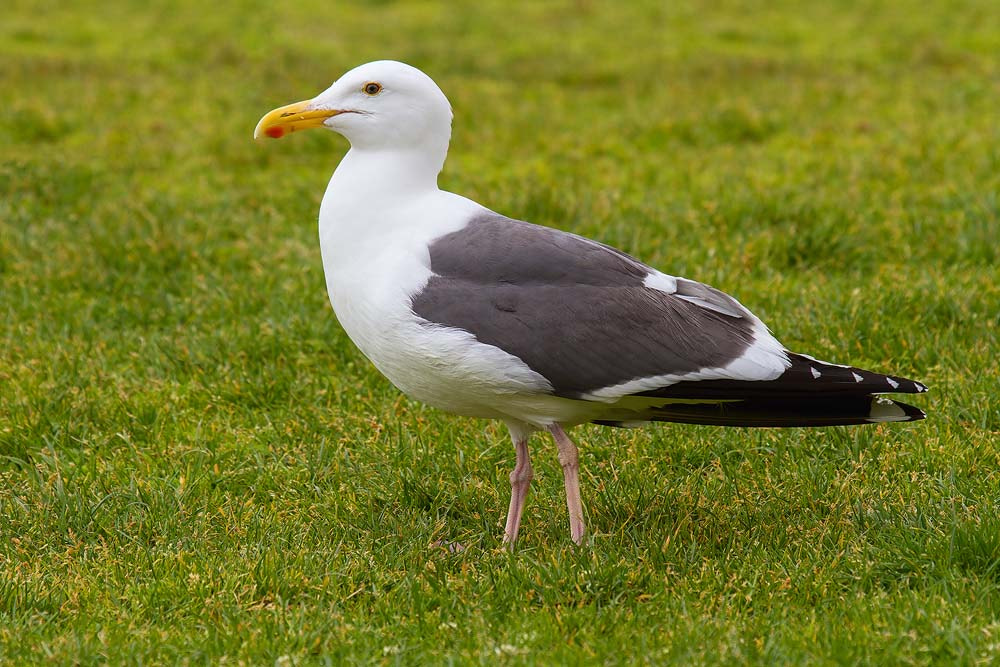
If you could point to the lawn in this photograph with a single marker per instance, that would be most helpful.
(196, 465)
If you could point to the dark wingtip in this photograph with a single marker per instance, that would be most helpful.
(887, 410)
(914, 413)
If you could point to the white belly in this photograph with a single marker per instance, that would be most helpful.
(443, 367)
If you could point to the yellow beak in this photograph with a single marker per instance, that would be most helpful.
(292, 118)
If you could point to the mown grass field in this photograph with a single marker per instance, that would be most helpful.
(197, 466)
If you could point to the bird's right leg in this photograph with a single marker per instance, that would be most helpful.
(569, 458)
(520, 480)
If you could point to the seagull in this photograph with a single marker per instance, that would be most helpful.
(486, 316)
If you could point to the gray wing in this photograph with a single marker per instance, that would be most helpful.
(576, 311)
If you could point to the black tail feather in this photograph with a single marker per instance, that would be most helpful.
(784, 412)
(758, 412)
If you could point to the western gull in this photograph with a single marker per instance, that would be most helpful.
(486, 316)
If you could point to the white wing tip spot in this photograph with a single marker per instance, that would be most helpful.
(892, 383)
(660, 281)
(815, 373)
(920, 388)
(857, 378)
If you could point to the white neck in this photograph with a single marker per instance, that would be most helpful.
(386, 172)
(370, 180)
(366, 195)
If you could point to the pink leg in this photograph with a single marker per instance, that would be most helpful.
(570, 461)
(520, 480)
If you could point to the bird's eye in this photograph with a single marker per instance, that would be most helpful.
(372, 88)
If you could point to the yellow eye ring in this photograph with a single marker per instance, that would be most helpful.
(372, 88)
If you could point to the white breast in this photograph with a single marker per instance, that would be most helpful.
(373, 267)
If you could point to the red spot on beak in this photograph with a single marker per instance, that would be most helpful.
(275, 132)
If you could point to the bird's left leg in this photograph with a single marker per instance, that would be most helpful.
(569, 458)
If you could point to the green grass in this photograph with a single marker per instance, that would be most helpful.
(197, 465)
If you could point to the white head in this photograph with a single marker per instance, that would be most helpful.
(382, 105)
